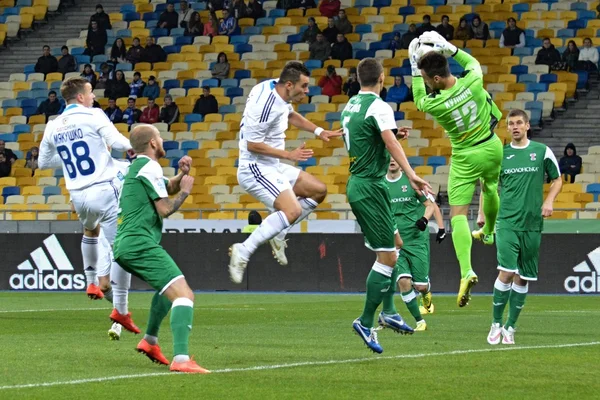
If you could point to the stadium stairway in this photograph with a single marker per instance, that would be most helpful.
(65, 26)
(577, 124)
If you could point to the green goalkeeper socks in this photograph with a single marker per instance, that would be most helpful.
(491, 203)
(389, 308)
(158, 311)
(461, 237)
(516, 303)
(379, 282)
(182, 316)
(410, 299)
(501, 294)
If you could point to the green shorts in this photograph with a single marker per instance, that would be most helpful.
(371, 204)
(519, 252)
(467, 166)
(413, 262)
(154, 266)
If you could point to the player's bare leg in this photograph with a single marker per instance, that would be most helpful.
(310, 192)
(289, 210)
(462, 240)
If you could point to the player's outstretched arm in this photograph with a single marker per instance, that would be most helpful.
(114, 138)
(165, 206)
(300, 122)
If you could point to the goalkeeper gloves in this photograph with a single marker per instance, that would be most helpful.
(413, 57)
(422, 223)
(441, 235)
(440, 45)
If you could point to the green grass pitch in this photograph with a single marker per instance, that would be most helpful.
(299, 346)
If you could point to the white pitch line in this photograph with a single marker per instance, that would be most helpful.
(300, 364)
(134, 308)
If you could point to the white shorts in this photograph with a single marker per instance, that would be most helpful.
(266, 182)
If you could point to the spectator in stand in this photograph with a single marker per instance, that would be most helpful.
(409, 36)
(513, 36)
(118, 52)
(331, 31)
(237, 9)
(342, 24)
(211, 27)
(5, 166)
(220, 69)
(445, 29)
(153, 53)
(399, 93)
(151, 90)
(320, 49)
(331, 84)
(31, 160)
(89, 74)
(463, 32)
(480, 29)
(136, 86)
(306, 4)
(67, 62)
(101, 18)
(96, 40)
(106, 74)
(383, 92)
(548, 55)
(571, 56)
(151, 113)
(425, 26)
(47, 63)
(286, 4)
(206, 104)
(185, 13)
(134, 54)
(131, 115)
(310, 34)
(228, 25)
(8, 153)
(570, 163)
(395, 43)
(169, 114)
(169, 19)
(254, 221)
(330, 8)
(341, 49)
(49, 107)
(216, 5)
(118, 87)
(194, 26)
(352, 86)
(113, 112)
(254, 10)
(588, 56)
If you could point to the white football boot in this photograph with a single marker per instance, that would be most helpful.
(278, 247)
(495, 334)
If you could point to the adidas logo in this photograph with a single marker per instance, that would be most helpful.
(589, 283)
(45, 275)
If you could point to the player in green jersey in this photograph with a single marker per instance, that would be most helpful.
(468, 114)
(412, 210)
(369, 130)
(143, 204)
(525, 164)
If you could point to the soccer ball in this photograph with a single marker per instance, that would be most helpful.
(423, 49)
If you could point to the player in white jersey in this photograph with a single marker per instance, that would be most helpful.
(77, 141)
(289, 192)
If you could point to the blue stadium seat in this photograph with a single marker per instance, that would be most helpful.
(398, 115)
(39, 86)
(520, 7)
(150, 16)
(8, 137)
(11, 191)
(594, 188)
(176, 154)
(408, 10)
(586, 14)
(379, 46)
(29, 69)
(313, 64)
(579, 6)
(333, 116)
(29, 111)
(58, 173)
(582, 79)
(160, 7)
(31, 102)
(363, 3)
(416, 161)
(565, 33)
(519, 69)
(51, 190)
(396, 71)
(127, 8)
(173, 49)
(192, 118)
(12, 11)
(24, 3)
(576, 24)
(314, 91)
(389, 36)
(189, 145)
(83, 59)
(24, 94)
(363, 28)
(386, 3)
(497, 25)
(536, 87)
(210, 82)
(306, 108)
(183, 40)
(311, 162)
(548, 78)
(356, 46)
(226, 83)
(234, 92)
(227, 109)
(131, 16)
(293, 39)
(159, 32)
(77, 51)
(242, 48)
(527, 78)
(9, 103)
(254, 30)
(360, 54)
(277, 13)
(21, 128)
(171, 84)
(100, 58)
(238, 39)
(536, 117)
(177, 32)
(242, 74)
(534, 105)
(473, 2)
(436, 161)
(170, 145)
(265, 22)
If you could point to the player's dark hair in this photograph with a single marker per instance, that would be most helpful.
(71, 87)
(369, 70)
(434, 64)
(292, 72)
(518, 113)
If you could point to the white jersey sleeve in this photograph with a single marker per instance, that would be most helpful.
(383, 115)
(48, 156)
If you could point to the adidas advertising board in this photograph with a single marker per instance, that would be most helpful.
(587, 275)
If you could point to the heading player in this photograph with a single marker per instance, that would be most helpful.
(525, 164)
(77, 141)
(289, 192)
(468, 114)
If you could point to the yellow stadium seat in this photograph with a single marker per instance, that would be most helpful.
(424, 170)
(13, 111)
(22, 172)
(54, 76)
(586, 32)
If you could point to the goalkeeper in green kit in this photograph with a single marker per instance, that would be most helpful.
(468, 114)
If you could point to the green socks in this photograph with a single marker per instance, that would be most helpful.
(158, 311)
(389, 308)
(461, 237)
(501, 293)
(491, 203)
(379, 282)
(516, 303)
(410, 299)
(182, 315)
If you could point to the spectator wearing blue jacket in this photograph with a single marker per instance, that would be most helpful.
(398, 93)
(136, 86)
(151, 90)
(113, 112)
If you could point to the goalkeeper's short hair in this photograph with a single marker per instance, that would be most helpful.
(518, 113)
(434, 64)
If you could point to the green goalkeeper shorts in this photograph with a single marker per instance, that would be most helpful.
(470, 165)
(413, 262)
(518, 252)
(154, 266)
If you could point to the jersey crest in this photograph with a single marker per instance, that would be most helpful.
(532, 156)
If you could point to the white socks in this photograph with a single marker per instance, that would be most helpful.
(152, 340)
(121, 282)
(90, 250)
(308, 205)
(269, 228)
